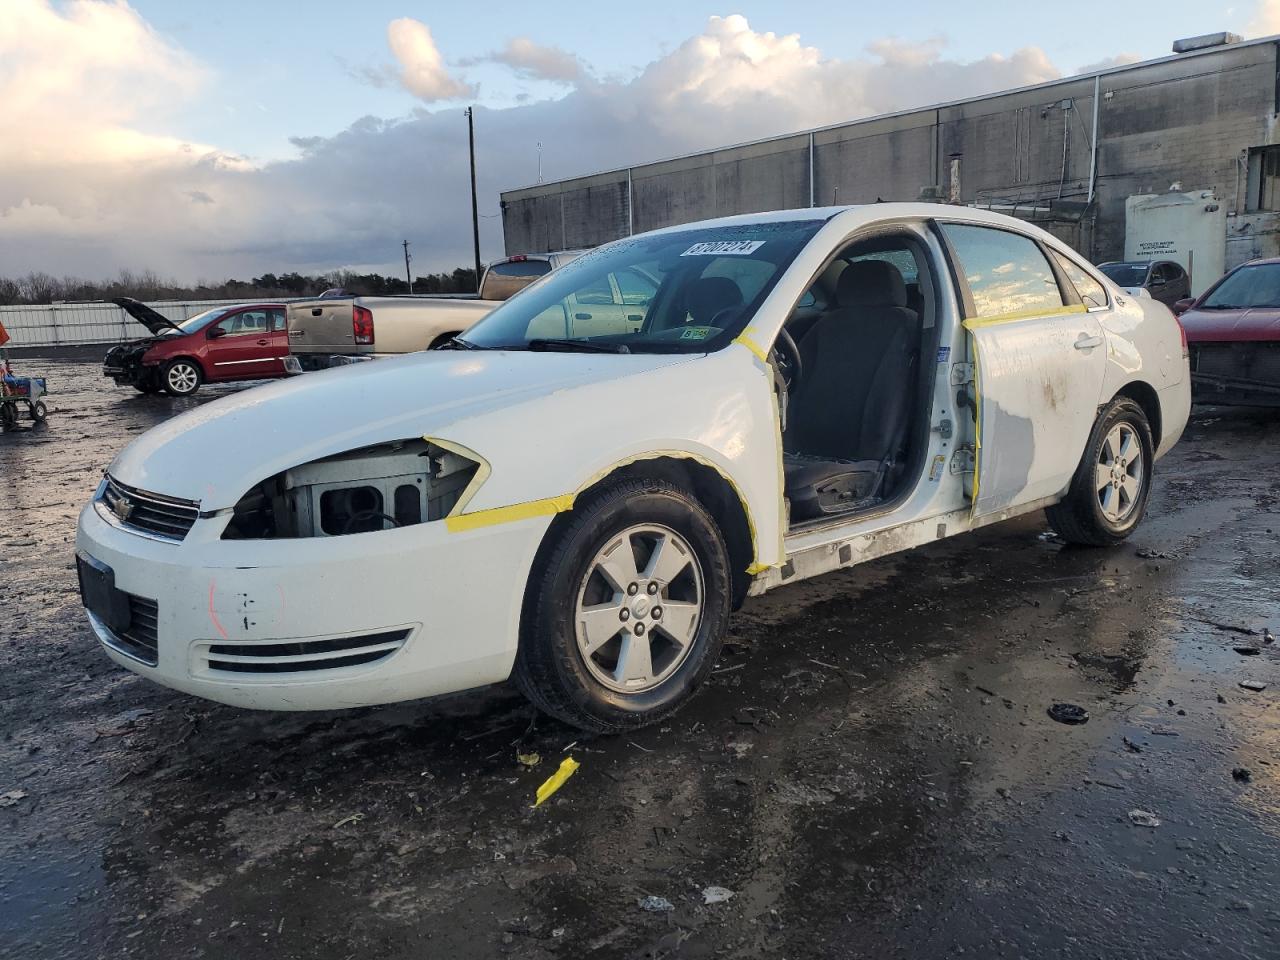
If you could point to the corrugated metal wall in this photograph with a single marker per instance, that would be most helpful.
(1184, 120)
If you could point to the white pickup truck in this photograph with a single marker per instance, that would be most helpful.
(330, 331)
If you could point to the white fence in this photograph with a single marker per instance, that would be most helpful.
(70, 324)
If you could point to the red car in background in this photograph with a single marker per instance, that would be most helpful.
(1233, 336)
(242, 342)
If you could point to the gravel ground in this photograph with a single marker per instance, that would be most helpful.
(872, 771)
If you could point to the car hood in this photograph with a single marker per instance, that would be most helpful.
(145, 315)
(1251, 323)
(216, 452)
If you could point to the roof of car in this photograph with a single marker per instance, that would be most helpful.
(889, 210)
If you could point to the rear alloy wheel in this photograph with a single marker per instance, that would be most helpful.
(181, 378)
(1109, 492)
(626, 608)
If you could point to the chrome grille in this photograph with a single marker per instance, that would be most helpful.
(305, 656)
(150, 513)
(139, 641)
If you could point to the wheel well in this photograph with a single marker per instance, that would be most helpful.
(442, 339)
(715, 493)
(191, 360)
(1145, 396)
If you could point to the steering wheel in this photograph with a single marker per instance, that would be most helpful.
(785, 358)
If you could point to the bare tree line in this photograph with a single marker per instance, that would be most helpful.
(145, 285)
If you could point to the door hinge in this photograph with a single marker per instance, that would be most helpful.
(963, 459)
(961, 373)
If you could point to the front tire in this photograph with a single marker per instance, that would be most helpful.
(1109, 492)
(626, 608)
(181, 377)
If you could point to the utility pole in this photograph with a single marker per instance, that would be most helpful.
(407, 277)
(475, 210)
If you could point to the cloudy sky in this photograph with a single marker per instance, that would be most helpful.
(207, 140)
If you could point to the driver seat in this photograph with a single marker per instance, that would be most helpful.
(709, 296)
(847, 424)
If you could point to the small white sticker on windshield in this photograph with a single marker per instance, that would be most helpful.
(724, 248)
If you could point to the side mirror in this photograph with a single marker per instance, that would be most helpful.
(1183, 305)
(216, 332)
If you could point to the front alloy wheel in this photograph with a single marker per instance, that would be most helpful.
(637, 619)
(626, 608)
(181, 378)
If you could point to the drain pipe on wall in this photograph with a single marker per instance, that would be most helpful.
(1093, 143)
(812, 185)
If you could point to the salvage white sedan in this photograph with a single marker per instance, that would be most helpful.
(581, 504)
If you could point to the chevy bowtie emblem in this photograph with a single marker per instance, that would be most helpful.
(122, 508)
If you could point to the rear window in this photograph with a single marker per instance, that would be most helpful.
(521, 268)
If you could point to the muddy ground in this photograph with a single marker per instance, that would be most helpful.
(872, 771)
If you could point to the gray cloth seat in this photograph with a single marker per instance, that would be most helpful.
(708, 296)
(847, 423)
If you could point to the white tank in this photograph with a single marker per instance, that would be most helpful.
(1188, 228)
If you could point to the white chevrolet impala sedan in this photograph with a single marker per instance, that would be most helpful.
(578, 493)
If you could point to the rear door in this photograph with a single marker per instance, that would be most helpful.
(1039, 356)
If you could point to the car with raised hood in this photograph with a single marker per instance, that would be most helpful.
(1163, 280)
(242, 342)
(1233, 330)
(806, 390)
(338, 328)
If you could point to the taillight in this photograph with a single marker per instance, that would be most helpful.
(362, 324)
(1186, 351)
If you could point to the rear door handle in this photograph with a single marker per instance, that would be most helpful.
(316, 311)
(582, 316)
(263, 343)
(1086, 342)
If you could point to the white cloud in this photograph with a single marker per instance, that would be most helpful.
(534, 61)
(1106, 63)
(1266, 19)
(422, 68)
(148, 201)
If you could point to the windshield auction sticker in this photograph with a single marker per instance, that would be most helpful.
(724, 248)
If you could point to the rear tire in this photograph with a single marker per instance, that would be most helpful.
(626, 608)
(39, 412)
(181, 377)
(8, 416)
(1109, 492)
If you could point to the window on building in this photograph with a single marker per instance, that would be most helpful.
(1268, 184)
(1006, 271)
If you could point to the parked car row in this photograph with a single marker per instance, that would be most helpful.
(259, 341)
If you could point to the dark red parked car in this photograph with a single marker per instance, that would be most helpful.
(243, 342)
(1233, 333)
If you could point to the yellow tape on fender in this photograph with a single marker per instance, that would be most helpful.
(517, 511)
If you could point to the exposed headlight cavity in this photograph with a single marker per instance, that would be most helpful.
(373, 488)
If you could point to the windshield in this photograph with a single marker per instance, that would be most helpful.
(198, 322)
(686, 291)
(1125, 274)
(1257, 286)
